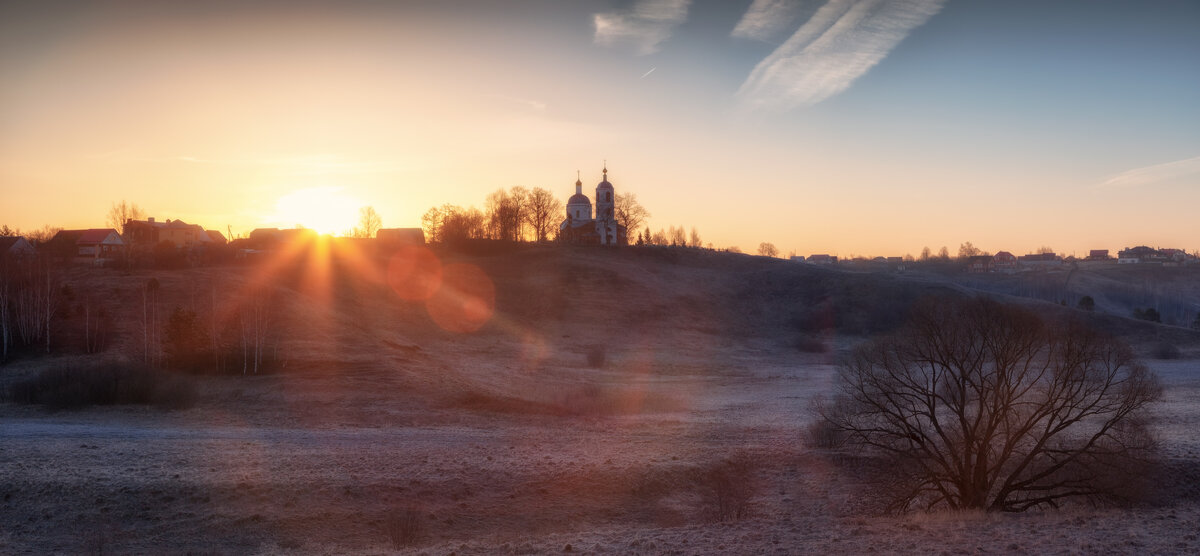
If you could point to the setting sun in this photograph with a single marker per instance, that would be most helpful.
(324, 209)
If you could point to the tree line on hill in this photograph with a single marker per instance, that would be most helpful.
(219, 331)
(519, 214)
(516, 214)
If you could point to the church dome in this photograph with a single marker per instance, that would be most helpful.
(579, 198)
(604, 182)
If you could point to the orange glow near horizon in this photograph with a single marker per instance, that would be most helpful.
(325, 210)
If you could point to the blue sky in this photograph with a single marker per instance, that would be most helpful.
(843, 126)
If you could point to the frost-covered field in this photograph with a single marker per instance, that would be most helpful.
(386, 433)
(288, 464)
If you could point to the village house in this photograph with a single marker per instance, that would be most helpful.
(1143, 255)
(146, 234)
(1004, 262)
(217, 238)
(822, 259)
(16, 247)
(1139, 255)
(271, 238)
(94, 245)
(1098, 255)
(400, 236)
(1040, 260)
(979, 264)
(1174, 255)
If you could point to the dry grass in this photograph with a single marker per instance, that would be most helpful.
(727, 487)
(508, 440)
(104, 383)
(404, 526)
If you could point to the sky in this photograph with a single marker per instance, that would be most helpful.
(849, 127)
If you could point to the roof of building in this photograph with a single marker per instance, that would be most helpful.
(604, 182)
(91, 236)
(408, 235)
(7, 243)
(1039, 257)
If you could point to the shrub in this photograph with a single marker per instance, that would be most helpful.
(823, 434)
(106, 383)
(727, 487)
(1149, 314)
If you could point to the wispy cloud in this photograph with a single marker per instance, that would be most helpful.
(643, 27)
(765, 19)
(840, 43)
(1158, 173)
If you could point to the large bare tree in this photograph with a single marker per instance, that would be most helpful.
(979, 405)
(629, 212)
(544, 211)
(369, 223)
(506, 213)
(122, 212)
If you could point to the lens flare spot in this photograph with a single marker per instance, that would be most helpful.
(414, 273)
(533, 351)
(466, 300)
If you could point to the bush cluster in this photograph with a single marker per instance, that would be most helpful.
(107, 383)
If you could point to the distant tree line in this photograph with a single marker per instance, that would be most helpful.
(517, 214)
(36, 237)
(234, 332)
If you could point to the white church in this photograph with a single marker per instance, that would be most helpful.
(581, 227)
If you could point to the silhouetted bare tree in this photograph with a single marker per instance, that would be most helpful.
(660, 238)
(460, 224)
(544, 211)
(506, 213)
(678, 236)
(432, 221)
(122, 212)
(629, 212)
(28, 304)
(42, 235)
(767, 249)
(967, 250)
(369, 222)
(979, 405)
